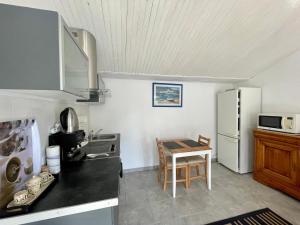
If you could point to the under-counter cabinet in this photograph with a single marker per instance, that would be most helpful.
(277, 161)
(38, 52)
(106, 216)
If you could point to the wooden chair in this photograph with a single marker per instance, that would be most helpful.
(161, 161)
(197, 162)
(165, 165)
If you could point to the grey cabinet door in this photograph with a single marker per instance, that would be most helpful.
(37, 52)
(97, 217)
(29, 49)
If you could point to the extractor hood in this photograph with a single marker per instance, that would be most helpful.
(87, 42)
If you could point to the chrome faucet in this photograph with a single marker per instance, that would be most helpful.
(98, 131)
(93, 134)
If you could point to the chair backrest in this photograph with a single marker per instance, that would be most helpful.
(204, 140)
(160, 151)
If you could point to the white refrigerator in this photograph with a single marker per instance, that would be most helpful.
(237, 117)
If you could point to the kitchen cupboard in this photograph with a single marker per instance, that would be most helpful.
(277, 161)
(106, 216)
(38, 52)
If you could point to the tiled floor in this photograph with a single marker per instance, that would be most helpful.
(143, 202)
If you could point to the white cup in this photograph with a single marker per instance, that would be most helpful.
(53, 162)
(54, 169)
(53, 159)
(53, 152)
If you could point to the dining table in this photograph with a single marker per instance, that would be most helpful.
(184, 147)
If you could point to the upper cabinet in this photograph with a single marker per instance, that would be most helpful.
(38, 52)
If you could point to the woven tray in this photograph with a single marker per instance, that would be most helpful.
(12, 208)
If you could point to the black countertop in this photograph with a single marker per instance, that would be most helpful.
(87, 181)
(83, 182)
(79, 183)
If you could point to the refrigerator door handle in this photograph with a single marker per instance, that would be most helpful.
(235, 136)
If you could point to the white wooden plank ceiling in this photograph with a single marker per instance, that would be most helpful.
(230, 39)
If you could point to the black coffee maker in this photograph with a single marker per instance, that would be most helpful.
(70, 145)
(70, 138)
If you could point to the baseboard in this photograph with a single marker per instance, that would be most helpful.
(140, 169)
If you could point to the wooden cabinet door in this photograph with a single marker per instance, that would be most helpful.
(277, 161)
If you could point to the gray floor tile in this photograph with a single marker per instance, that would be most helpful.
(143, 202)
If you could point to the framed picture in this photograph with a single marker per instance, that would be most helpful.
(166, 95)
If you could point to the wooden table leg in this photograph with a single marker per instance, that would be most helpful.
(174, 174)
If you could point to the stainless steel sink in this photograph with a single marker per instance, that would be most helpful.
(101, 146)
(104, 137)
(99, 149)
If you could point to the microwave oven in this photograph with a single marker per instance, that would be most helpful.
(284, 122)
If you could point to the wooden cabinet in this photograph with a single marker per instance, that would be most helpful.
(277, 161)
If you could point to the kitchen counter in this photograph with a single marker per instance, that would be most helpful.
(81, 187)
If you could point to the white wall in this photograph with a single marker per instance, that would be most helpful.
(45, 111)
(280, 85)
(129, 111)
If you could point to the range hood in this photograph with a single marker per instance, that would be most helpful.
(88, 43)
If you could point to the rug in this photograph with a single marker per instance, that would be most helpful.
(260, 217)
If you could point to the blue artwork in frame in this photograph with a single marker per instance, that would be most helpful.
(166, 95)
